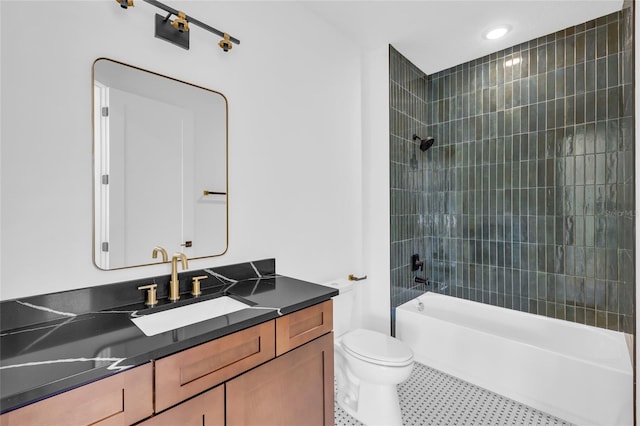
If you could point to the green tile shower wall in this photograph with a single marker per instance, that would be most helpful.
(526, 200)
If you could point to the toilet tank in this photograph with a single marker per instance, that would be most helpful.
(343, 305)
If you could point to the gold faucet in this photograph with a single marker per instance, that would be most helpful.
(174, 285)
(165, 256)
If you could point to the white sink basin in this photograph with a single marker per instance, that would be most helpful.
(171, 319)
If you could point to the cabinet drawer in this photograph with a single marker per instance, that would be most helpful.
(195, 370)
(203, 410)
(300, 327)
(122, 399)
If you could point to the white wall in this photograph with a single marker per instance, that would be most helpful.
(375, 187)
(294, 135)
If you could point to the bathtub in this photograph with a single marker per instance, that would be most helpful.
(578, 373)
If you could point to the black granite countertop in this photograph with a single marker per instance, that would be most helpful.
(52, 343)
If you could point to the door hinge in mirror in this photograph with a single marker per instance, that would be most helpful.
(105, 179)
(105, 247)
(105, 111)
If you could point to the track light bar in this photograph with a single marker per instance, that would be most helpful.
(177, 31)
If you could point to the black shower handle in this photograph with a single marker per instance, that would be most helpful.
(416, 263)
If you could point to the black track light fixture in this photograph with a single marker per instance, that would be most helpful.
(176, 31)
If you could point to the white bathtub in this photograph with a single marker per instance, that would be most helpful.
(578, 373)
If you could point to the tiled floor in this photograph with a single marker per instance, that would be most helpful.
(430, 397)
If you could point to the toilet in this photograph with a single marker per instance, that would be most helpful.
(368, 364)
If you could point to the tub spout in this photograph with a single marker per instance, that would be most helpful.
(421, 280)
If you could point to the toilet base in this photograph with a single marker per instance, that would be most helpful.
(377, 405)
(368, 391)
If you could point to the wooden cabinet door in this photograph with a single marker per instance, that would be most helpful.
(121, 399)
(300, 327)
(294, 389)
(195, 370)
(206, 409)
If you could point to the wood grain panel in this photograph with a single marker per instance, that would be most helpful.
(219, 360)
(121, 399)
(195, 370)
(206, 409)
(302, 326)
(138, 393)
(292, 390)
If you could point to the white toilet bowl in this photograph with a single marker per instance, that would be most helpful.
(369, 366)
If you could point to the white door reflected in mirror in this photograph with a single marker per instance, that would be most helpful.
(159, 144)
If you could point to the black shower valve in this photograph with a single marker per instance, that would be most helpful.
(416, 263)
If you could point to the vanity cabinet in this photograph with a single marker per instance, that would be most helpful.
(277, 372)
(195, 370)
(121, 399)
(203, 410)
(291, 384)
(293, 389)
(303, 326)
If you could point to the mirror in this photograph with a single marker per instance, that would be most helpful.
(160, 167)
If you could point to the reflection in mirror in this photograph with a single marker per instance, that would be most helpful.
(160, 166)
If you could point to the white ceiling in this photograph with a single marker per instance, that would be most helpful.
(436, 35)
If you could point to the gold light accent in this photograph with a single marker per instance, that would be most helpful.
(225, 43)
(125, 3)
(180, 23)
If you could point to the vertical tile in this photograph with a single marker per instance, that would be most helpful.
(590, 45)
(601, 41)
(580, 47)
(580, 78)
(612, 38)
(534, 164)
(591, 76)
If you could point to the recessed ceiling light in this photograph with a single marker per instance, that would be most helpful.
(497, 32)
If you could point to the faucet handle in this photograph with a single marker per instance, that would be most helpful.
(196, 291)
(416, 263)
(152, 299)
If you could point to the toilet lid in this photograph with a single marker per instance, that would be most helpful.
(377, 348)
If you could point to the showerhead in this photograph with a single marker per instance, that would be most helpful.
(425, 143)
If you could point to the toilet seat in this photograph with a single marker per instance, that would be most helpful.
(377, 348)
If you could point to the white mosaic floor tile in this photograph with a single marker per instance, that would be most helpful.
(431, 397)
